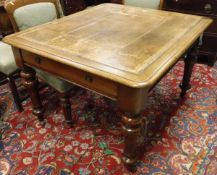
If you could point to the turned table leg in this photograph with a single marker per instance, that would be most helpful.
(131, 102)
(30, 82)
(190, 59)
(131, 126)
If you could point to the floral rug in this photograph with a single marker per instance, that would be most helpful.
(181, 134)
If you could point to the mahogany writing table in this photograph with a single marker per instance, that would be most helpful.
(118, 51)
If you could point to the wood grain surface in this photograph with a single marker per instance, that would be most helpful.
(128, 45)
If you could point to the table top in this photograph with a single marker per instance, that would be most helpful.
(129, 45)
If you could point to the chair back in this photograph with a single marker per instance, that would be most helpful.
(24, 14)
(154, 4)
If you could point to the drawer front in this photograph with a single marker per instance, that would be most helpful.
(212, 29)
(72, 10)
(203, 7)
(209, 44)
(204, 57)
(117, 1)
(87, 80)
(70, 7)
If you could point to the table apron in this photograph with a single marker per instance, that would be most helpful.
(84, 79)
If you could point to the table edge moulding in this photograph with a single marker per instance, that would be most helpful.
(208, 50)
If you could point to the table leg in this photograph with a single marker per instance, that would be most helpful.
(132, 102)
(131, 125)
(190, 59)
(30, 82)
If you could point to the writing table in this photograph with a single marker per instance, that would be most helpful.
(118, 51)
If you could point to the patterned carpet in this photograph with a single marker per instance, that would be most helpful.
(181, 135)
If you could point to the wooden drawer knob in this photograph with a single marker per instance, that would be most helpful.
(89, 78)
(38, 60)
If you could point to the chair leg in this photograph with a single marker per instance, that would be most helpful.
(31, 84)
(65, 103)
(14, 92)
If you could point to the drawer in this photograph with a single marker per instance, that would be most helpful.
(117, 1)
(209, 44)
(212, 29)
(84, 79)
(207, 58)
(70, 7)
(202, 7)
(71, 10)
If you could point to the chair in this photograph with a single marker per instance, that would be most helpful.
(9, 69)
(24, 14)
(154, 4)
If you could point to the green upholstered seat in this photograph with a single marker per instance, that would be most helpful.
(33, 15)
(154, 4)
(7, 61)
(59, 84)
